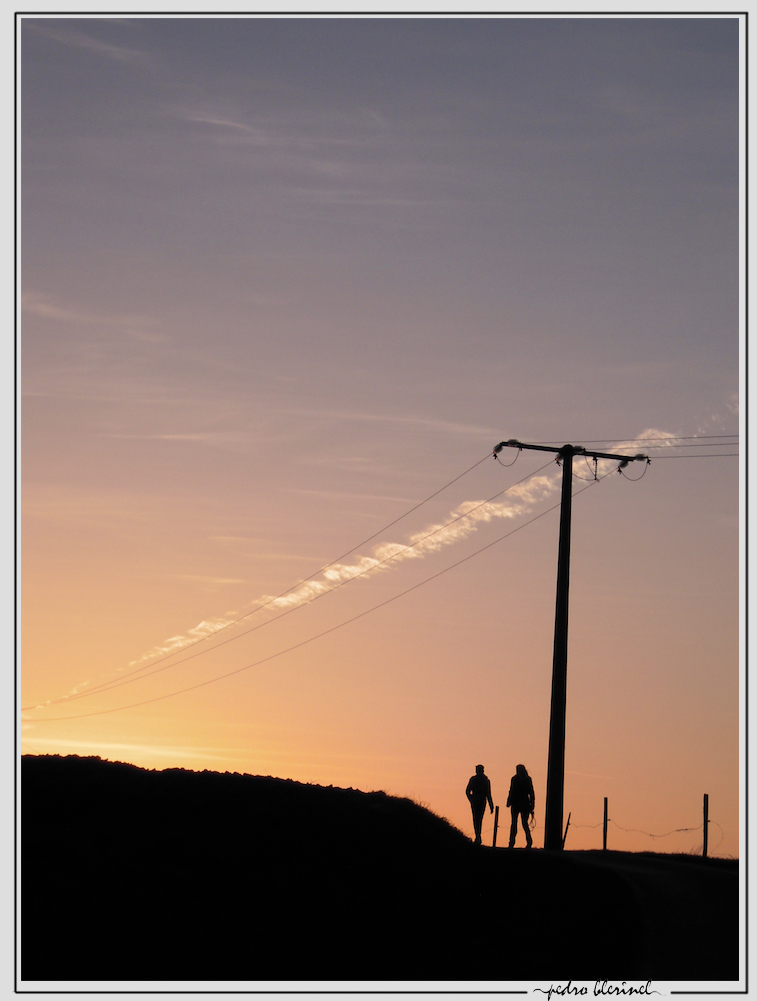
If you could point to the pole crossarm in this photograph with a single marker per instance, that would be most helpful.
(572, 450)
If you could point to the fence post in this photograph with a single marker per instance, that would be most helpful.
(706, 822)
(496, 825)
(604, 829)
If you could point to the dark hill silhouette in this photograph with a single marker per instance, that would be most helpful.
(129, 874)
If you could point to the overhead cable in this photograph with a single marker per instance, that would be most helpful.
(325, 632)
(117, 683)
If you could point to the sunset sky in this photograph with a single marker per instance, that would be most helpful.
(284, 279)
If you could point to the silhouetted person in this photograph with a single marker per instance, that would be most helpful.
(521, 801)
(479, 792)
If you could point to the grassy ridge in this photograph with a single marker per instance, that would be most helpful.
(134, 874)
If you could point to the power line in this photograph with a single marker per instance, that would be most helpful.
(130, 675)
(635, 479)
(326, 632)
(127, 679)
(714, 455)
(118, 683)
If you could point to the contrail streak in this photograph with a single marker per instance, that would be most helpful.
(461, 522)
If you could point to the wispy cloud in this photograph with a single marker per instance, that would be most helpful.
(136, 325)
(342, 493)
(297, 134)
(429, 422)
(207, 580)
(322, 148)
(208, 436)
(78, 39)
(68, 505)
(343, 196)
(719, 420)
(106, 749)
(254, 135)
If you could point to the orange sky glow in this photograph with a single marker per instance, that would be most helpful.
(284, 280)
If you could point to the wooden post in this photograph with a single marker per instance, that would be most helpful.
(706, 822)
(496, 825)
(604, 829)
(566, 833)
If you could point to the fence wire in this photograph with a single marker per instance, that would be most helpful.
(503, 830)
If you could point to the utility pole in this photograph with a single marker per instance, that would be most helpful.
(553, 835)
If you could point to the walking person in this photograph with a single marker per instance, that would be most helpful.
(479, 792)
(521, 801)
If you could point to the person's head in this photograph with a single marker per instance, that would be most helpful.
(521, 770)
(479, 769)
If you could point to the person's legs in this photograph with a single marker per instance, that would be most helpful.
(526, 828)
(478, 817)
(513, 825)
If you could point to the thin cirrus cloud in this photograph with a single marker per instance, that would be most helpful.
(136, 325)
(249, 134)
(345, 493)
(151, 749)
(426, 422)
(80, 40)
(286, 132)
(207, 580)
(314, 145)
(198, 436)
(71, 506)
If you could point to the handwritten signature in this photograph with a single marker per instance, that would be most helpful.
(602, 988)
